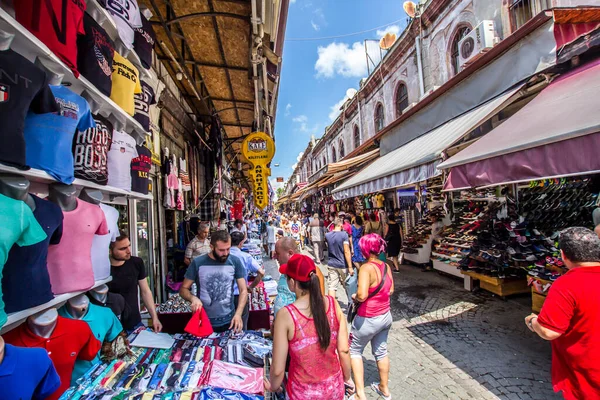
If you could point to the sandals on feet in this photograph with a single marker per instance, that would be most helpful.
(375, 387)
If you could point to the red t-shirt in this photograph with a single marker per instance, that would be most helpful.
(71, 340)
(56, 23)
(572, 308)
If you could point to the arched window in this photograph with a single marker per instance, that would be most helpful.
(454, 50)
(333, 155)
(342, 150)
(401, 99)
(356, 136)
(324, 162)
(379, 122)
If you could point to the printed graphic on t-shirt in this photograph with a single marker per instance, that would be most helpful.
(90, 152)
(4, 93)
(143, 101)
(295, 229)
(216, 289)
(125, 71)
(127, 10)
(68, 109)
(101, 41)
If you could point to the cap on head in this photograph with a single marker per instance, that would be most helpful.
(299, 268)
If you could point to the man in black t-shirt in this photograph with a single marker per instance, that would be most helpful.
(129, 273)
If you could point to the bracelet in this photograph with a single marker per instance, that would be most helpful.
(530, 323)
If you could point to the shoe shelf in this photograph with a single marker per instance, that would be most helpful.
(39, 176)
(15, 319)
(499, 286)
(30, 47)
(446, 268)
(448, 243)
(446, 256)
(475, 199)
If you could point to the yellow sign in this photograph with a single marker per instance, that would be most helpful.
(258, 148)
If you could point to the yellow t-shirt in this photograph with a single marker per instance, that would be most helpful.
(380, 200)
(125, 83)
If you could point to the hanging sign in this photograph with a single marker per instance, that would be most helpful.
(258, 149)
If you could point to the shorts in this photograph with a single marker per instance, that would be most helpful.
(336, 277)
(374, 330)
(271, 246)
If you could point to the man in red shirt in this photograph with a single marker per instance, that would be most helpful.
(570, 317)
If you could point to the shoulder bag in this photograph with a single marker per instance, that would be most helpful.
(353, 308)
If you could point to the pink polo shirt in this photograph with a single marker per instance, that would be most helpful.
(70, 262)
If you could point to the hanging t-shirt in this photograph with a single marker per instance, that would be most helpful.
(143, 101)
(56, 23)
(95, 52)
(144, 42)
(101, 243)
(379, 200)
(125, 10)
(26, 282)
(27, 374)
(90, 151)
(122, 151)
(49, 137)
(70, 261)
(125, 83)
(125, 282)
(104, 325)
(71, 340)
(140, 169)
(23, 87)
(20, 227)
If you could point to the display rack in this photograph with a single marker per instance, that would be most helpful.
(447, 268)
(30, 47)
(39, 176)
(15, 319)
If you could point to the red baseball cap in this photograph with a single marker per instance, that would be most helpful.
(299, 267)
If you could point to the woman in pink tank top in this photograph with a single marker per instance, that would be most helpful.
(373, 319)
(314, 333)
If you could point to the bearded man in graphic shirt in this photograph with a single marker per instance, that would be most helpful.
(570, 317)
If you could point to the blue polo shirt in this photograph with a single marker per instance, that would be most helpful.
(27, 373)
(249, 263)
(104, 325)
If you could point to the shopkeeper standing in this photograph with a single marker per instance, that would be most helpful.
(129, 273)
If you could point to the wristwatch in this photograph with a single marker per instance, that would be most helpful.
(530, 323)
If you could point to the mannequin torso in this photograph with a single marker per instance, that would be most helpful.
(91, 196)
(6, 39)
(63, 195)
(78, 306)
(55, 77)
(43, 323)
(16, 187)
(100, 293)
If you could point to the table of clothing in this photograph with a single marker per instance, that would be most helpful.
(221, 366)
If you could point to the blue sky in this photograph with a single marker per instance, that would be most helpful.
(316, 74)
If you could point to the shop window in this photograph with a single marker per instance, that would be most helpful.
(333, 155)
(522, 11)
(342, 150)
(379, 119)
(454, 51)
(356, 136)
(401, 99)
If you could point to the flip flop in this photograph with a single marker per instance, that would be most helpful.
(375, 387)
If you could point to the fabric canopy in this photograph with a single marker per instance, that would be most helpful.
(417, 160)
(345, 165)
(556, 134)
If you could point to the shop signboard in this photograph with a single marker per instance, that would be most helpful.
(258, 149)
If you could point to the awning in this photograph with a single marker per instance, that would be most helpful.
(417, 160)
(345, 165)
(556, 134)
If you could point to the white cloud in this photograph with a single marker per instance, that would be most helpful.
(299, 156)
(345, 60)
(391, 29)
(294, 166)
(288, 107)
(292, 1)
(335, 109)
(300, 118)
(314, 25)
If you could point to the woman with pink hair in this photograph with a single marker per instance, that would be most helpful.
(373, 319)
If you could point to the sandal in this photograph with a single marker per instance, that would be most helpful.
(375, 387)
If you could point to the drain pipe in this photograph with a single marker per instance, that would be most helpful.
(419, 63)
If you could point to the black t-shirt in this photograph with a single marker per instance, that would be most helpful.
(143, 101)
(125, 282)
(25, 281)
(23, 86)
(144, 42)
(140, 167)
(90, 151)
(95, 52)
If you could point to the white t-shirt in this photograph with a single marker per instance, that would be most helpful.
(244, 230)
(126, 10)
(270, 234)
(101, 243)
(126, 32)
(294, 228)
(122, 151)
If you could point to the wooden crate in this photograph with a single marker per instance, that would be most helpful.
(537, 301)
(500, 286)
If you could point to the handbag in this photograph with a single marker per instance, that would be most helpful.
(353, 308)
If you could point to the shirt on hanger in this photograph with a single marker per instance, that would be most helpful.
(70, 261)
(125, 83)
(71, 340)
(90, 151)
(140, 169)
(143, 43)
(125, 282)
(29, 91)
(27, 374)
(143, 101)
(105, 326)
(122, 151)
(25, 281)
(56, 23)
(49, 137)
(379, 200)
(20, 227)
(95, 53)
(101, 243)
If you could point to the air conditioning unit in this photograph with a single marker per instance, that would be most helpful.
(476, 43)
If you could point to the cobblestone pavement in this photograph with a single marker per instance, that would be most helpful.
(447, 343)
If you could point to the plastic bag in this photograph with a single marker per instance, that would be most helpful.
(226, 394)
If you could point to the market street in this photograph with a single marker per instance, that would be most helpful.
(447, 343)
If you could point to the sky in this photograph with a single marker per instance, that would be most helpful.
(317, 73)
